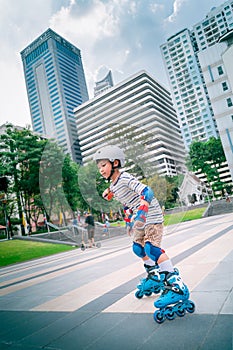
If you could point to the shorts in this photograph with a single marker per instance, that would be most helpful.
(152, 233)
(91, 233)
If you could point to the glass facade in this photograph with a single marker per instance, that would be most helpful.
(55, 84)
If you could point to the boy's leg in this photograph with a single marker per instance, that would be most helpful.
(153, 238)
(173, 287)
(138, 243)
(150, 284)
(139, 247)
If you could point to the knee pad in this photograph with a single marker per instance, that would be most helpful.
(153, 252)
(138, 250)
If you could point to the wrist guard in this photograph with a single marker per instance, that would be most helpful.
(108, 195)
(141, 213)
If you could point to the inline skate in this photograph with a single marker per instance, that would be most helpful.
(151, 284)
(174, 299)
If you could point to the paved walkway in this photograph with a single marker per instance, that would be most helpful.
(85, 300)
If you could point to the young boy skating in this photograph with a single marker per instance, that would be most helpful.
(147, 229)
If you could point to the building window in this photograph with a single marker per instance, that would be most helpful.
(211, 74)
(220, 70)
(229, 102)
(224, 86)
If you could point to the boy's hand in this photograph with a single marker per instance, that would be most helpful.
(107, 194)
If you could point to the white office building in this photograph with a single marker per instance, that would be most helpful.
(216, 65)
(189, 92)
(137, 114)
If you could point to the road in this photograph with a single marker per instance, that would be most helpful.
(85, 299)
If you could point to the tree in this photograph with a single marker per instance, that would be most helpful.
(31, 148)
(70, 171)
(134, 141)
(20, 153)
(50, 180)
(173, 184)
(208, 157)
(165, 189)
(91, 185)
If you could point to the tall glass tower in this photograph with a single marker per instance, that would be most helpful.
(55, 84)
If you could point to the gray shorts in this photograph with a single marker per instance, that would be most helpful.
(91, 233)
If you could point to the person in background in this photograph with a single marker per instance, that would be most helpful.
(128, 219)
(90, 226)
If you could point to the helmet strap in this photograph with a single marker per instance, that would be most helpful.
(112, 171)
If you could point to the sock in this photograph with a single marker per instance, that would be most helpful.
(166, 266)
(149, 262)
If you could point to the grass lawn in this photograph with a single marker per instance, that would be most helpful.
(15, 251)
(171, 219)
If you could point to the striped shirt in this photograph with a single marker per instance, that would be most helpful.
(127, 190)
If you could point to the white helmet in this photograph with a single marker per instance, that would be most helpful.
(111, 153)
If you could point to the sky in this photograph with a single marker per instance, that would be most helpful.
(121, 35)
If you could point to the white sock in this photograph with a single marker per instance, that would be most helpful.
(166, 266)
(149, 262)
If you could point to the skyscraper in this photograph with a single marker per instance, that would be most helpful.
(138, 115)
(216, 63)
(189, 91)
(55, 84)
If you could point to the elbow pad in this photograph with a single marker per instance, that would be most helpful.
(147, 194)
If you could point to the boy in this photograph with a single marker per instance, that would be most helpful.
(147, 225)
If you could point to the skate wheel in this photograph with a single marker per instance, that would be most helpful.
(148, 294)
(157, 291)
(98, 245)
(83, 247)
(170, 314)
(158, 317)
(180, 312)
(191, 307)
(138, 294)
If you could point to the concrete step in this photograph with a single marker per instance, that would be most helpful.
(220, 207)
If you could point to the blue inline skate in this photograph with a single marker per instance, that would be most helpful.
(151, 284)
(174, 299)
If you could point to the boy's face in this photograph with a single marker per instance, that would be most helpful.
(105, 168)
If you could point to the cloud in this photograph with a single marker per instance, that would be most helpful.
(121, 35)
(87, 20)
(177, 6)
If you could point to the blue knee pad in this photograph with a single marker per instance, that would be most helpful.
(138, 250)
(152, 251)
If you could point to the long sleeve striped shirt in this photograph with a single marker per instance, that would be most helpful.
(127, 190)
